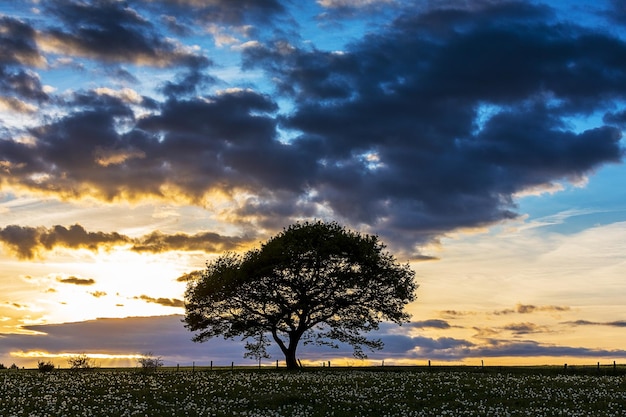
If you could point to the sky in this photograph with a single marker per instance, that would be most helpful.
(480, 140)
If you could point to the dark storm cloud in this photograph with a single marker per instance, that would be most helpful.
(111, 31)
(28, 242)
(458, 125)
(431, 124)
(77, 281)
(18, 55)
(17, 43)
(617, 12)
(187, 83)
(616, 118)
(224, 142)
(181, 15)
(111, 105)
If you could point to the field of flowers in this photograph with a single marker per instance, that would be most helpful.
(323, 392)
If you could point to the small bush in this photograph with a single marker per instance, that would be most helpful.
(2, 366)
(45, 366)
(81, 361)
(149, 363)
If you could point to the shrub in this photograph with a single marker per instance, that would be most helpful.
(81, 361)
(2, 366)
(149, 363)
(45, 366)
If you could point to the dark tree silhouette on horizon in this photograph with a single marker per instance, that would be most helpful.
(317, 282)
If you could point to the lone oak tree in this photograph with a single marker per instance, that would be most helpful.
(316, 282)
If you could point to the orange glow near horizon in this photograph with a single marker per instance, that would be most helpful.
(30, 359)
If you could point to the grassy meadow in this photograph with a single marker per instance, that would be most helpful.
(389, 391)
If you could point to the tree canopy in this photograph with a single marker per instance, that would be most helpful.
(317, 282)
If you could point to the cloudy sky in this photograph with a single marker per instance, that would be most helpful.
(481, 140)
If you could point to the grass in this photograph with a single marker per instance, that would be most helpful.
(389, 391)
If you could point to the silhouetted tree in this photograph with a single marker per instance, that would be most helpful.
(149, 363)
(316, 282)
(81, 361)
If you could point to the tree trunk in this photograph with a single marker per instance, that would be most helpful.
(288, 351)
(290, 358)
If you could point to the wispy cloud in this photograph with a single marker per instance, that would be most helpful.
(617, 323)
(525, 328)
(77, 281)
(98, 294)
(529, 309)
(434, 323)
(518, 309)
(190, 276)
(167, 302)
(452, 314)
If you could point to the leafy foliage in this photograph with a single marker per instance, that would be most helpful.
(316, 282)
